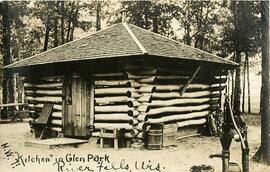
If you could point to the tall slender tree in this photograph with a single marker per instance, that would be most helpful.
(155, 19)
(7, 75)
(98, 9)
(265, 89)
(239, 34)
(248, 82)
(55, 19)
(71, 13)
(237, 46)
(48, 25)
(74, 21)
(244, 83)
(62, 11)
(188, 25)
(250, 38)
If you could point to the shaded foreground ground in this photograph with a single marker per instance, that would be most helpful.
(188, 152)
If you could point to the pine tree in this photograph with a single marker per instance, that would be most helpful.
(7, 75)
(265, 89)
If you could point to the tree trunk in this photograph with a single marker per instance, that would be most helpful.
(265, 89)
(232, 84)
(248, 82)
(237, 85)
(98, 26)
(55, 32)
(47, 32)
(188, 37)
(199, 38)
(7, 75)
(62, 4)
(232, 93)
(69, 21)
(155, 20)
(146, 20)
(20, 89)
(155, 24)
(47, 27)
(74, 23)
(244, 83)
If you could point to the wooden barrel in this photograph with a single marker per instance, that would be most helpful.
(154, 138)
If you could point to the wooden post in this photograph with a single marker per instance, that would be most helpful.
(115, 139)
(101, 138)
(92, 104)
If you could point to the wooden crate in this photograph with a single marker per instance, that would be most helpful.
(169, 134)
(188, 131)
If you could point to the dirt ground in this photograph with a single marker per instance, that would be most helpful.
(188, 152)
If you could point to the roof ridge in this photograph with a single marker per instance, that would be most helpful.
(138, 43)
(10, 65)
(184, 44)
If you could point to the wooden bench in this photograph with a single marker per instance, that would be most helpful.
(40, 125)
(114, 134)
(16, 113)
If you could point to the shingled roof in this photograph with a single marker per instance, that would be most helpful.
(120, 40)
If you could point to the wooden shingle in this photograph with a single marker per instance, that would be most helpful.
(120, 40)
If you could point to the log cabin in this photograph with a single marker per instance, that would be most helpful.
(123, 77)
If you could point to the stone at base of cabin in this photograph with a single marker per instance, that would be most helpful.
(27, 120)
(89, 130)
(60, 135)
(30, 134)
(137, 144)
(128, 143)
(137, 141)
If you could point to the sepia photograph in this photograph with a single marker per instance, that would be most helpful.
(134, 86)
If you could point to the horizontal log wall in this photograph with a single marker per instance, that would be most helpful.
(143, 95)
(136, 97)
(46, 90)
(115, 102)
(165, 103)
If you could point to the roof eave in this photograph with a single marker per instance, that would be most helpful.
(227, 63)
(11, 66)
